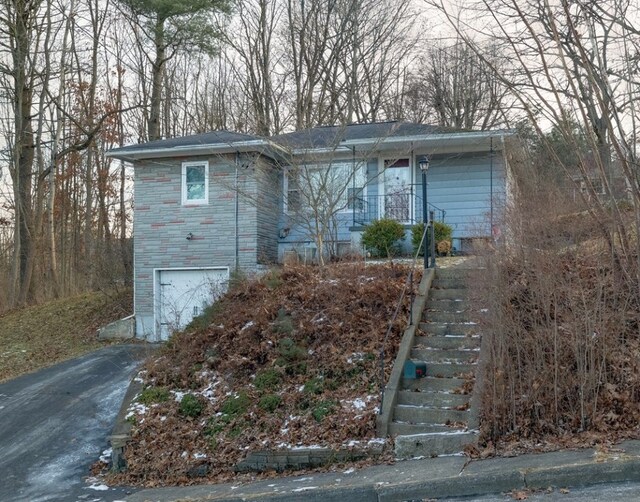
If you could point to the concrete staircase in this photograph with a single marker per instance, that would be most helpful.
(433, 415)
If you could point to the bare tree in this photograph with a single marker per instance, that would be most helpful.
(570, 65)
(458, 89)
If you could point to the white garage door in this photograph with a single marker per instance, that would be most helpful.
(184, 294)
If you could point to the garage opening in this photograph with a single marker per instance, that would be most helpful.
(182, 294)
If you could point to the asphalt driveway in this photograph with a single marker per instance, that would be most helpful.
(54, 424)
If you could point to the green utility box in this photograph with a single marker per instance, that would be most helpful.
(415, 369)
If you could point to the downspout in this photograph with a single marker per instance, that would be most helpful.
(412, 199)
(491, 184)
(354, 204)
(236, 217)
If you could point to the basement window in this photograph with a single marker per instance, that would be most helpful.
(195, 183)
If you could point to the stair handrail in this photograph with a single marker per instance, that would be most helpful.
(408, 285)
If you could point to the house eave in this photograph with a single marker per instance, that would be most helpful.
(467, 141)
(259, 146)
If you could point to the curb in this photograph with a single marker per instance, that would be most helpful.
(428, 478)
(121, 433)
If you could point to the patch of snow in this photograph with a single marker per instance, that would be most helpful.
(96, 485)
(163, 418)
(247, 326)
(484, 310)
(377, 441)
(106, 455)
(359, 404)
(198, 456)
(349, 471)
(300, 480)
(185, 454)
(136, 409)
(178, 395)
(305, 489)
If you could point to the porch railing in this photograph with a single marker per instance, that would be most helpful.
(405, 207)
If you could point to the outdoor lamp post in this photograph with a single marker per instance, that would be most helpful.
(424, 167)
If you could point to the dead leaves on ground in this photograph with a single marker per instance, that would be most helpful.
(315, 332)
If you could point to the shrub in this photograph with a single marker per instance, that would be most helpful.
(272, 279)
(268, 380)
(291, 351)
(442, 232)
(314, 386)
(236, 405)
(283, 324)
(270, 402)
(152, 395)
(230, 420)
(382, 237)
(191, 406)
(322, 409)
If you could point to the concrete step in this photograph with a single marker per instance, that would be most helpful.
(449, 283)
(433, 444)
(449, 317)
(447, 342)
(433, 384)
(403, 428)
(425, 415)
(448, 370)
(444, 355)
(447, 294)
(444, 329)
(453, 272)
(433, 399)
(447, 305)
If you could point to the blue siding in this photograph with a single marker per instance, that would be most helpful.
(466, 188)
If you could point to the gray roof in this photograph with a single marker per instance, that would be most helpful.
(220, 138)
(374, 136)
(331, 136)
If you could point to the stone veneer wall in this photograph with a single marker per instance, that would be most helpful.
(161, 224)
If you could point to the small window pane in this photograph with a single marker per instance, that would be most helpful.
(195, 174)
(195, 191)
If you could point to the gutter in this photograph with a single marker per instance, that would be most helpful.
(427, 138)
(178, 151)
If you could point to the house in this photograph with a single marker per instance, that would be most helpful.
(210, 204)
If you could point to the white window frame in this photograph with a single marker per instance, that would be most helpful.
(195, 202)
(361, 174)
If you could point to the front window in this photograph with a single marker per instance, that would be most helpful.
(195, 183)
(338, 185)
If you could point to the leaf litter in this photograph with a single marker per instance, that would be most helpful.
(286, 361)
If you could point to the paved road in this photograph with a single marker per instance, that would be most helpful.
(54, 424)
(619, 492)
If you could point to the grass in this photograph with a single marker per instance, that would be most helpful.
(38, 336)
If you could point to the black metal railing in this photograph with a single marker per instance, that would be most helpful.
(405, 207)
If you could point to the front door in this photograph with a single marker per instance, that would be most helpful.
(184, 294)
(397, 190)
